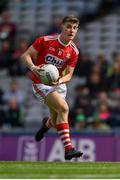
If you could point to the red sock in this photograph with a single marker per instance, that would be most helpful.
(63, 131)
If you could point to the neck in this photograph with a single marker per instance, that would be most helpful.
(64, 40)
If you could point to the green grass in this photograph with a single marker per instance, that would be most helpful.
(60, 170)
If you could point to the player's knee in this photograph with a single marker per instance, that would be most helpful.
(64, 108)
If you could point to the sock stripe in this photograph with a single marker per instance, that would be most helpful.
(64, 136)
(68, 145)
(66, 140)
(62, 131)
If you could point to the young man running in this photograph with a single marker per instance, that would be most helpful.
(59, 50)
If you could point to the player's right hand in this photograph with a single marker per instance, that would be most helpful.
(36, 70)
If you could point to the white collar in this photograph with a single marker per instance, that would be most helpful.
(62, 42)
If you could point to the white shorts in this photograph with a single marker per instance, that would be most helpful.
(42, 90)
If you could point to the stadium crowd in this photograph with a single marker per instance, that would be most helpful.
(97, 98)
(97, 102)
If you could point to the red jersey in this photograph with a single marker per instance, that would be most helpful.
(52, 51)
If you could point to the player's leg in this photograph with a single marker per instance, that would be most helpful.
(59, 104)
(53, 115)
(43, 129)
(62, 90)
(47, 123)
(41, 91)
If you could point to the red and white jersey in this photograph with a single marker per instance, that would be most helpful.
(52, 51)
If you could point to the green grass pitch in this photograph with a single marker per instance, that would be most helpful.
(59, 170)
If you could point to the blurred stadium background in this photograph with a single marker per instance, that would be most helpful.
(93, 93)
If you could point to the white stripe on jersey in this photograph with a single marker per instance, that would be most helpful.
(74, 47)
(50, 37)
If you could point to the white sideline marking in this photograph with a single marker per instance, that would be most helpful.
(57, 176)
(35, 166)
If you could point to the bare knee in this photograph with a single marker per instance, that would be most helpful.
(63, 108)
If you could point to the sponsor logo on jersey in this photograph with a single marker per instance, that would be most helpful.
(54, 60)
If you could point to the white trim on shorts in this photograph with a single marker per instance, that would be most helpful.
(42, 90)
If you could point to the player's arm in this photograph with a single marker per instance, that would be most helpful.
(27, 57)
(69, 69)
(67, 77)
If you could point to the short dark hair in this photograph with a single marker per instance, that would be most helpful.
(71, 18)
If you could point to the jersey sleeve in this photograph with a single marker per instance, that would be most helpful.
(38, 44)
(73, 60)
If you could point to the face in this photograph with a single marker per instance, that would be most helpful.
(69, 30)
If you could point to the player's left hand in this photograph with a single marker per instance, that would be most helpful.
(57, 82)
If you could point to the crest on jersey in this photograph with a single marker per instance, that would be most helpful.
(60, 51)
(68, 55)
